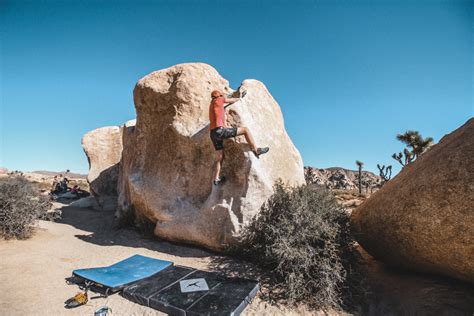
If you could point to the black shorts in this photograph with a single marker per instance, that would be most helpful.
(219, 134)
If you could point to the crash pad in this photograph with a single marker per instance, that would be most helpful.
(122, 273)
(163, 291)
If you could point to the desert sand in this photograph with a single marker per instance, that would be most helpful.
(34, 271)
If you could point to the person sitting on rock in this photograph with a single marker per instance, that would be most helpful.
(75, 190)
(63, 185)
(55, 185)
(220, 131)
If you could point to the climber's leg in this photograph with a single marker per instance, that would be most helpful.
(218, 167)
(217, 137)
(248, 136)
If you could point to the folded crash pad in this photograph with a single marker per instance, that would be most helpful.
(164, 292)
(122, 273)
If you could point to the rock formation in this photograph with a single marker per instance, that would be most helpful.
(167, 161)
(103, 148)
(340, 178)
(423, 219)
(128, 156)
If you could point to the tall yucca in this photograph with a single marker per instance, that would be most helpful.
(360, 164)
(415, 146)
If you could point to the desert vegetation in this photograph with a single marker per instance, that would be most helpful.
(385, 173)
(302, 238)
(415, 146)
(360, 165)
(21, 206)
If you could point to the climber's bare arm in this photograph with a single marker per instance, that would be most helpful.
(231, 100)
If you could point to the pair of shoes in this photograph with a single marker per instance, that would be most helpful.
(261, 151)
(78, 300)
(219, 180)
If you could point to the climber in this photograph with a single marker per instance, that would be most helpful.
(220, 131)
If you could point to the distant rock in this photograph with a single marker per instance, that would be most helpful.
(340, 178)
(3, 170)
(423, 219)
(103, 147)
(168, 158)
(69, 175)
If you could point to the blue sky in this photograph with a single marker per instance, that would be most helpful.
(349, 75)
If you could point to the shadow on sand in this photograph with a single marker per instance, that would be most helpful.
(101, 228)
(271, 291)
(401, 292)
(392, 292)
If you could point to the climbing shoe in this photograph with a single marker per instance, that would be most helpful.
(261, 151)
(78, 300)
(103, 311)
(219, 180)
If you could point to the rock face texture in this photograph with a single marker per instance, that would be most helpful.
(168, 158)
(103, 148)
(125, 165)
(423, 219)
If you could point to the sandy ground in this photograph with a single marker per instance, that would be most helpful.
(33, 271)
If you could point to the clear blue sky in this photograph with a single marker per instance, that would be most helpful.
(349, 75)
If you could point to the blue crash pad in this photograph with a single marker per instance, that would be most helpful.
(124, 272)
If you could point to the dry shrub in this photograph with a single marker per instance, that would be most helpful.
(302, 237)
(20, 207)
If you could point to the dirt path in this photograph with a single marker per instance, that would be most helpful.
(33, 271)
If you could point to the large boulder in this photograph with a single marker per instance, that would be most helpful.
(103, 148)
(168, 158)
(128, 157)
(423, 219)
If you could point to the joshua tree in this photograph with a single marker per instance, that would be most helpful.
(360, 164)
(385, 172)
(415, 146)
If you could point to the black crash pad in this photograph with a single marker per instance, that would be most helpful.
(162, 291)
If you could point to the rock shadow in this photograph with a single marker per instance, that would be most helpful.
(102, 228)
(271, 291)
(390, 291)
(106, 181)
(399, 292)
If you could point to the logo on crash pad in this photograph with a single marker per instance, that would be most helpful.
(193, 285)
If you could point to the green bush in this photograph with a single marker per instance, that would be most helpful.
(20, 207)
(302, 237)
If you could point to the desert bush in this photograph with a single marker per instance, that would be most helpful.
(302, 237)
(20, 207)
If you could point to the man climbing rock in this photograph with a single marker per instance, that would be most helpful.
(220, 131)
